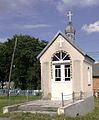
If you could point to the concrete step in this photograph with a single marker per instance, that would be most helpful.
(37, 108)
(41, 112)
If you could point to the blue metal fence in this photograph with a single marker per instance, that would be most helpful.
(13, 92)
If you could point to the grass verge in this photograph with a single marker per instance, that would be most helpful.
(28, 116)
(6, 101)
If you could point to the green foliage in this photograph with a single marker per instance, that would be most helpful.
(39, 94)
(26, 73)
(3, 63)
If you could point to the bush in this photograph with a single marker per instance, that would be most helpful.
(39, 93)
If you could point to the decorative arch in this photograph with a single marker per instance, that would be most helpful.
(61, 56)
(61, 62)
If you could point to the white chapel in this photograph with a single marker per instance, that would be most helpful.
(65, 68)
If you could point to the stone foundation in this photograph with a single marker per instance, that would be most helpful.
(81, 107)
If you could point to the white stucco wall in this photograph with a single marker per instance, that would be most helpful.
(59, 88)
(77, 83)
(88, 84)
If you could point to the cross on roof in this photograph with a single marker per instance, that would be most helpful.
(60, 42)
(70, 16)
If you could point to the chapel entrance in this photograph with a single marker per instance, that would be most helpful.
(61, 82)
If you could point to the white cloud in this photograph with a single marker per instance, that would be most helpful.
(35, 26)
(3, 40)
(63, 4)
(19, 8)
(31, 26)
(9, 5)
(91, 27)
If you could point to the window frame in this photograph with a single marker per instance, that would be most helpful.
(61, 60)
(57, 73)
(67, 72)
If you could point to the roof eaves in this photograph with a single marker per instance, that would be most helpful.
(73, 44)
(87, 57)
(49, 44)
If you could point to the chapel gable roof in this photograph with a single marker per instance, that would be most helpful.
(88, 58)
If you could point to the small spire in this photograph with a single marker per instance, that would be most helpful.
(70, 16)
(70, 30)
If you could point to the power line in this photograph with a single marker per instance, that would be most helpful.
(94, 54)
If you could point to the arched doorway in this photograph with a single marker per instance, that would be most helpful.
(61, 75)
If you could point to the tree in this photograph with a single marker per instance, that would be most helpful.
(26, 70)
(3, 70)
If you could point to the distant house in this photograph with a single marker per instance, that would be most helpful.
(96, 78)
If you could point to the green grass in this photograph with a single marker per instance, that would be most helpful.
(6, 101)
(28, 116)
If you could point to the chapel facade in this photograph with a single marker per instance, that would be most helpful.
(65, 68)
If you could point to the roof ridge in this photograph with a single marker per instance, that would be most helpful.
(73, 44)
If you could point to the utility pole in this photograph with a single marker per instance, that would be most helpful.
(11, 65)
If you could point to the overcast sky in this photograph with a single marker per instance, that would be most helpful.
(44, 18)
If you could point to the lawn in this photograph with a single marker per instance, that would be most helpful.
(6, 101)
(28, 116)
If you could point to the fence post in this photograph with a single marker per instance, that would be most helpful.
(73, 96)
(81, 95)
(27, 94)
(62, 100)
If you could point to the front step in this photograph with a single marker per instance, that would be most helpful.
(37, 108)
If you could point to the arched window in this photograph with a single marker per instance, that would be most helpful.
(60, 56)
(61, 66)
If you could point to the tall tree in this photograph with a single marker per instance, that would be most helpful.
(3, 69)
(26, 67)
